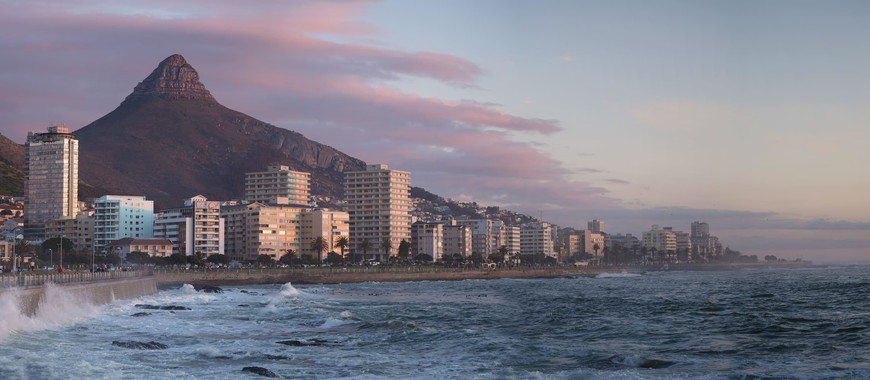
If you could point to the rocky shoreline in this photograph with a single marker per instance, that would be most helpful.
(402, 274)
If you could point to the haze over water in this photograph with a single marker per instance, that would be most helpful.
(751, 323)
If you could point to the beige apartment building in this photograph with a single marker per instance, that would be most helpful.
(195, 228)
(457, 240)
(259, 229)
(152, 247)
(427, 238)
(51, 179)
(279, 185)
(536, 239)
(328, 224)
(79, 230)
(662, 241)
(378, 203)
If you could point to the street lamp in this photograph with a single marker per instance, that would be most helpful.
(60, 266)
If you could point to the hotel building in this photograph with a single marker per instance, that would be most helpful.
(120, 216)
(278, 185)
(51, 176)
(378, 203)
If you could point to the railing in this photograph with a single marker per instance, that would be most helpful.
(365, 269)
(25, 279)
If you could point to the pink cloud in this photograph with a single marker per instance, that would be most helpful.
(277, 66)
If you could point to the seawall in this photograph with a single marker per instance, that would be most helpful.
(340, 275)
(170, 278)
(31, 298)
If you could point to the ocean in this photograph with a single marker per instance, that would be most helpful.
(789, 323)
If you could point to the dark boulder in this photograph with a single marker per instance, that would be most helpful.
(140, 345)
(142, 314)
(208, 289)
(307, 343)
(260, 371)
(156, 307)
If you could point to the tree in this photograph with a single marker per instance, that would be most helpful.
(138, 257)
(320, 246)
(288, 257)
(334, 258)
(404, 250)
(54, 244)
(342, 243)
(387, 245)
(218, 259)
(423, 258)
(265, 260)
(177, 258)
(595, 248)
(365, 245)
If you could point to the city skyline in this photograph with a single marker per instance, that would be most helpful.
(733, 114)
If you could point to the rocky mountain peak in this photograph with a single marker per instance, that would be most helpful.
(173, 79)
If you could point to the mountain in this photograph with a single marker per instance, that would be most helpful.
(11, 167)
(170, 139)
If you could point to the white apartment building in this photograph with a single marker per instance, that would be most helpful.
(259, 229)
(536, 239)
(427, 238)
(457, 240)
(328, 224)
(378, 203)
(279, 185)
(120, 216)
(195, 228)
(51, 179)
(663, 242)
(483, 238)
(595, 226)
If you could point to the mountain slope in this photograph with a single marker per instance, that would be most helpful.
(170, 139)
(11, 167)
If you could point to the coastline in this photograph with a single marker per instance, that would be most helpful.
(172, 278)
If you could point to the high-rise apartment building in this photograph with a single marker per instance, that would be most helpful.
(660, 242)
(120, 216)
(278, 185)
(427, 238)
(259, 229)
(536, 239)
(195, 228)
(457, 240)
(79, 230)
(595, 226)
(328, 224)
(378, 203)
(51, 178)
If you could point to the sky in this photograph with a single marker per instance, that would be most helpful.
(748, 115)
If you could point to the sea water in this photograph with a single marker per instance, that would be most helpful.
(806, 323)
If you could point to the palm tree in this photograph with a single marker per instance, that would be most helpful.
(288, 257)
(342, 243)
(319, 245)
(365, 245)
(595, 248)
(387, 245)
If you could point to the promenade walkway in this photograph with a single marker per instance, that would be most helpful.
(27, 279)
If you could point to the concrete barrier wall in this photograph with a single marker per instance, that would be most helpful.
(31, 298)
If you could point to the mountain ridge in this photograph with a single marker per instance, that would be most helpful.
(171, 139)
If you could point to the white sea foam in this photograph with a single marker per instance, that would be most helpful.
(617, 275)
(188, 289)
(58, 307)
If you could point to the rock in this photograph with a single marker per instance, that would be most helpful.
(209, 289)
(141, 314)
(307, 343)
(156, 307)
(244, 305)
(260, 371)
(140, 345)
